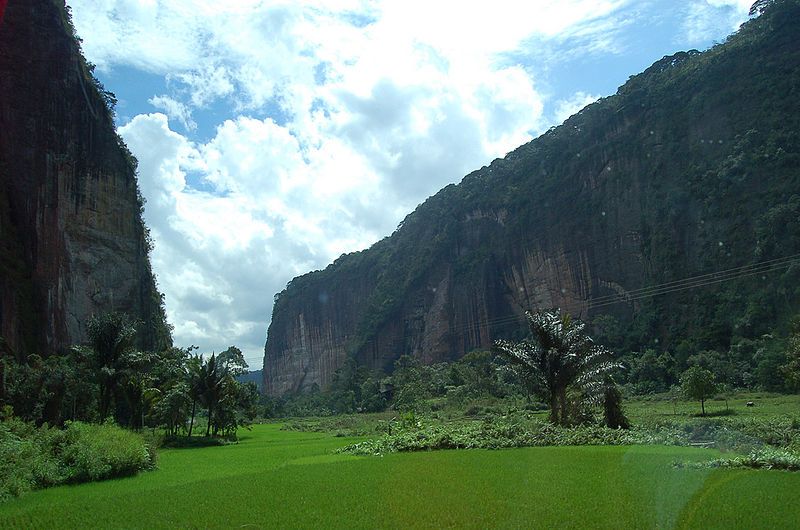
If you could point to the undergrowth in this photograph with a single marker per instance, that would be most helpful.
(36, 457)
(765, 458)
(501, 434)
(410, 433)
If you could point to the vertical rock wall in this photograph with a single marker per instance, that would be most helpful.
(72, 239)
(678, 174)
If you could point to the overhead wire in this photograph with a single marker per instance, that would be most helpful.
(692, 282)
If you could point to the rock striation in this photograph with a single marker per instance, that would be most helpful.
(72, 240)
(691, 168)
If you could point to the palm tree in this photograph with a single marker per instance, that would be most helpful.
(560, 357)
(111, 340)
(194, 365)
(211, 381)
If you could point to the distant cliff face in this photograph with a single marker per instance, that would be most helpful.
(72, 241)
(693, 166)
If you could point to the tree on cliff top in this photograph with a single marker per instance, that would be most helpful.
(561, 357)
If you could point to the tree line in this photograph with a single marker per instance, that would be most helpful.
(110, 378)
(557, 368)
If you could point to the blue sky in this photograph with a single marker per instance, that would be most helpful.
(274, 136)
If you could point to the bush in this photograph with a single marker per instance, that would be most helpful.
(613, 416)
(97, 452)
(33, 458)
(472, 410)
(25, 461)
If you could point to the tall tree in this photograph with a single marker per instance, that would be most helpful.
(111, 339)
(212, 377)
(233, 361)
(560, 356)
(193, 373)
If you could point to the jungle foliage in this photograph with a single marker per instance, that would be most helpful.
(110, 378)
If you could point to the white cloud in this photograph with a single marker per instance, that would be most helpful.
(567, 107)
(713, 19)
(205, 83)
(175, 110)
(221, 255)
(343, 117)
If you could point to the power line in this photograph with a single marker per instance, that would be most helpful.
(778, 262)
(692, 282)
(702, 280)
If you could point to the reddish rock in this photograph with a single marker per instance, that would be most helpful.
(72, 239)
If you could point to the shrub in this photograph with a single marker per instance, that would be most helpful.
(472, 410)
(25, 462)
(33, 458)
(97, 452)
(613, 416)
(183, 442)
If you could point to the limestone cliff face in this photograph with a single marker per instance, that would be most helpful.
(71, 235)
(680, 173)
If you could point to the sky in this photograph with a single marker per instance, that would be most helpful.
(274, 136)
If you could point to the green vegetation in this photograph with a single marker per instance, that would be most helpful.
(560, 358)
(32, 458)
(287, 479)
(701, 177)
(109, 383)
(698, 383)
(481, 381)
(758, 459)
(109, 378)
(588, 466)
(774, 423)
(505, 433)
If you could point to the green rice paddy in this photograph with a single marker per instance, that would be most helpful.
(278, 479)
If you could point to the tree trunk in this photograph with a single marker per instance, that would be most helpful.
(210, 413)
(562, 399)
(554, 408)
(191, 422)
(103, 402)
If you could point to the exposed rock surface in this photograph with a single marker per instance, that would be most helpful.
(683, 171)
(72, 241)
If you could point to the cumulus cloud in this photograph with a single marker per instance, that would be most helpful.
(342, 117)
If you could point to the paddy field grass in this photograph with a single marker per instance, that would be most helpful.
(280, 479)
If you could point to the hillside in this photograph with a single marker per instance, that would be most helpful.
(72, 240)
(691, 168)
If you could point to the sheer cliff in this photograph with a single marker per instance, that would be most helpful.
(72, 240)
(690, 169)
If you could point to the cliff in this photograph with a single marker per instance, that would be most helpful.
(72, 241)
(690, 168)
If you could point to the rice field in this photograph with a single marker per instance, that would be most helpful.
(279, 479)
